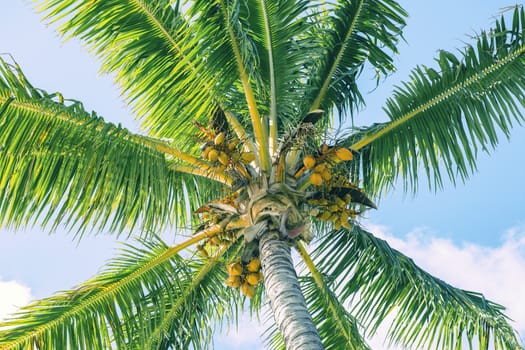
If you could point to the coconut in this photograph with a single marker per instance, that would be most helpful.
(223, 158)
(247, 157)
(344, 154)
(233, 281)
(235, 269)
(213, 154)
(316, 179)
(248, 290)
(309, 162)
(219, 139)
(254, 265)
(252, 278)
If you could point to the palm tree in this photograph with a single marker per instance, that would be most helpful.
(239, 101)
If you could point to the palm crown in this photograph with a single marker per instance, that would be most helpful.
(238, 100)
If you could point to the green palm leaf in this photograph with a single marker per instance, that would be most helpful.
(232, 50)
(151, 52)
(442, 118)
(429, 313)
(352, 33)
(337, 327)
(190, 319)
(139, 291)
(277, 28)
(61, 164)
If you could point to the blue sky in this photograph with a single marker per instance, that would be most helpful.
(472, 235)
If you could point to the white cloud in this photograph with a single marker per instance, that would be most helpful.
(12, 296)
(497, 272)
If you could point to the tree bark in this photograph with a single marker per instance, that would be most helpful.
(286, 299)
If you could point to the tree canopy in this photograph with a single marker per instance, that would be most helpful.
(239, 102)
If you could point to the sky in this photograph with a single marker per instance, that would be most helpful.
(471, 235)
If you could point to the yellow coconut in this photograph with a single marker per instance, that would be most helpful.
(344, 154)
(334, 216)
(247, 289)
(247, 157)
(316, 179)
(233, 281)
(235, 156)
(325, 216)
(213, 154)
(223, 158)
(309, 162)
(341, 203)
(235, 269)
(252, 278)
(333, 208)
(206, 152)
(232, 146)
(219, 139)
(254, 265)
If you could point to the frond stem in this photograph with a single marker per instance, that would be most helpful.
(273, 94)
(438, 99)
(259, 128)
(165, 149)
(107, 291)
(318, 278)
(213, 175)
(149, 142)
(212, 262)
(326, 84)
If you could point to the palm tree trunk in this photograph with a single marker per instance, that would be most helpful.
(286, 299)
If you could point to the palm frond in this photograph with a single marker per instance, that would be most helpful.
(337, 327)
(428, 313)
(352, 33)
(232, 50)
(272, 338)
(133, 295)
(61, 164)
(190, 320)
(442, 118)
(150, 49)
(277, 29)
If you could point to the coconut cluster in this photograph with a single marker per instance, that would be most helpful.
(330, 206)
(246, 276)
(321, 165)
(223, 150)
(333, 209)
